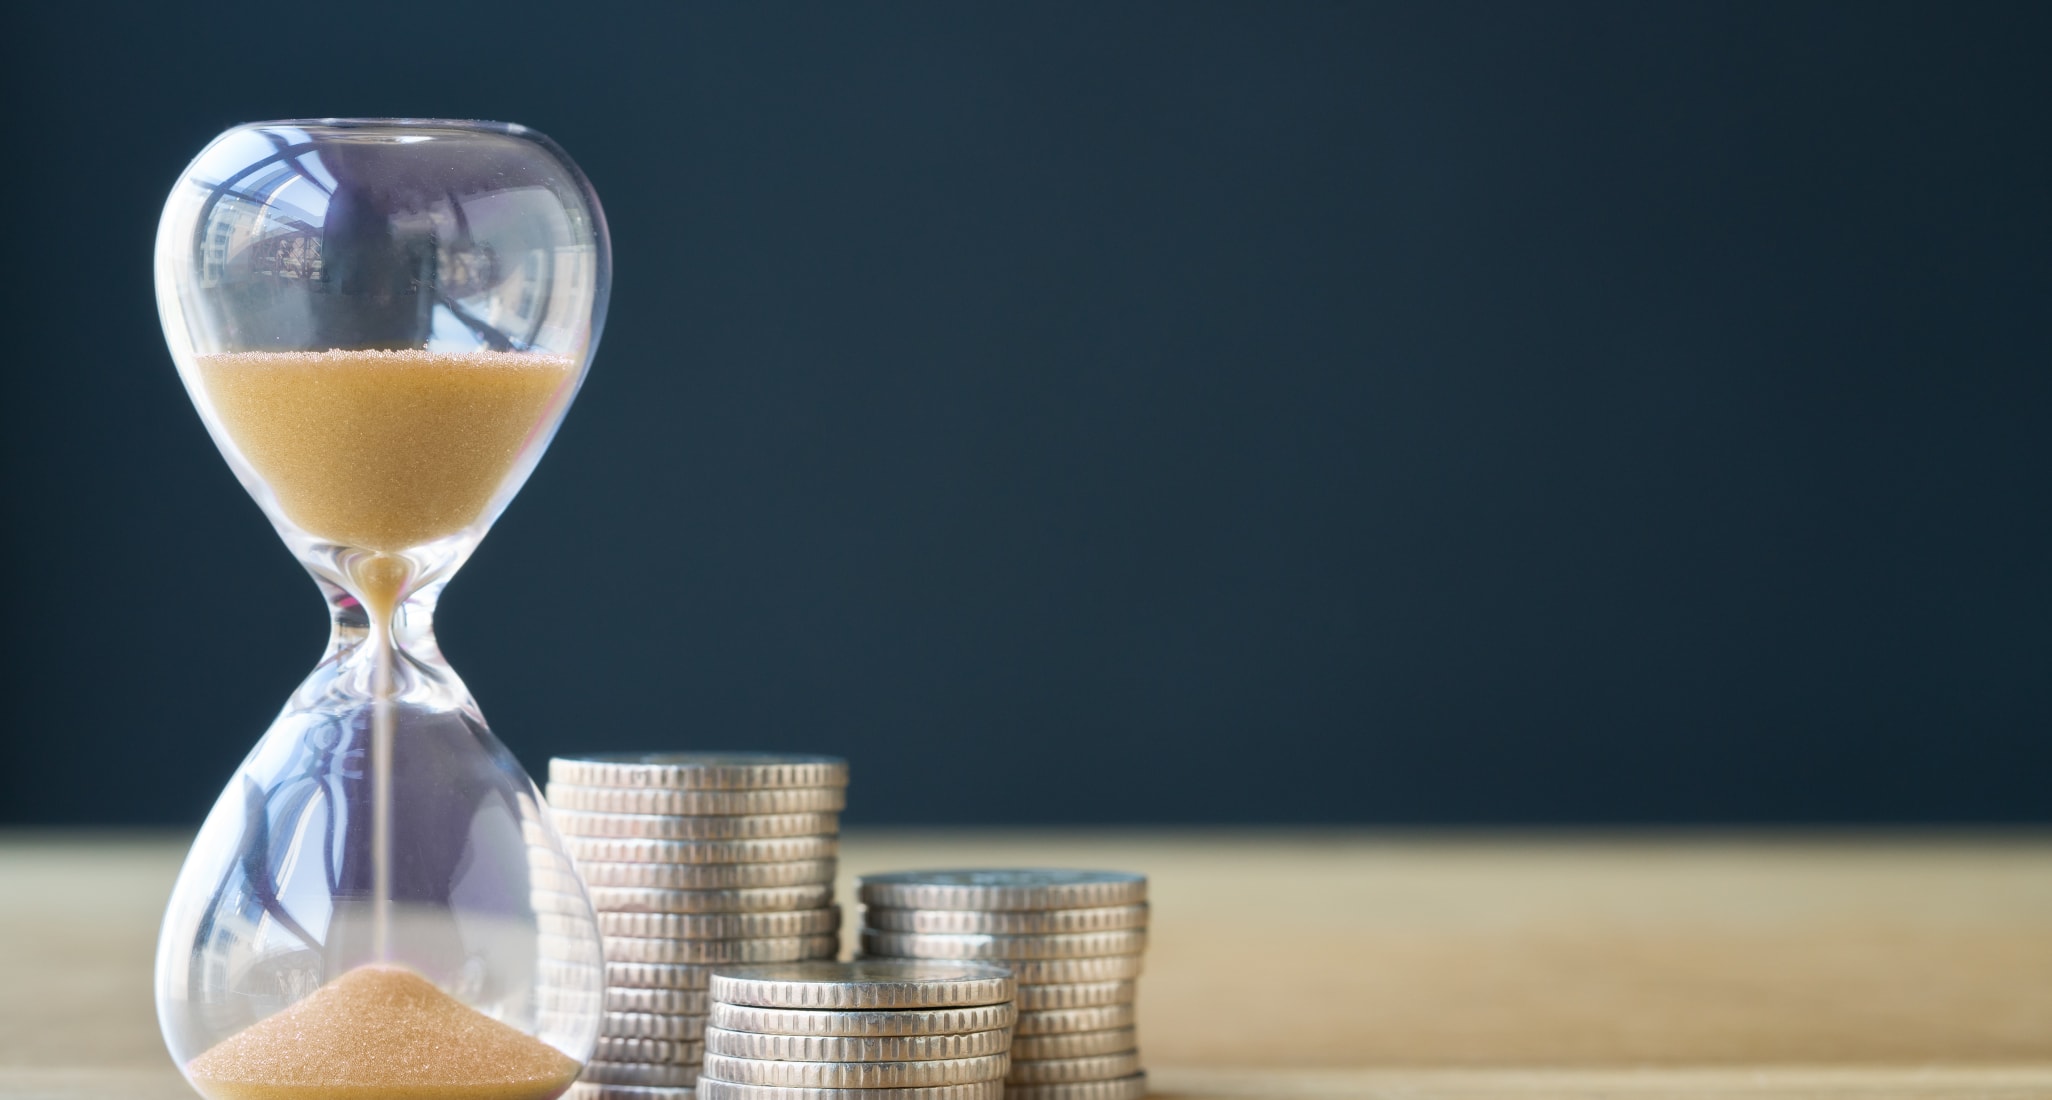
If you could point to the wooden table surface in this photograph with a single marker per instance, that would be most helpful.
(1350, 964)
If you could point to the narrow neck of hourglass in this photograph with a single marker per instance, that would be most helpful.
(409, 624)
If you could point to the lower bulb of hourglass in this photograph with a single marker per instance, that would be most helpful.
(342, 925)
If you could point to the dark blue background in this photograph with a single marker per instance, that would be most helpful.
(1134, 412)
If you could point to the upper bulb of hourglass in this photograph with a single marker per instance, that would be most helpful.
(381, 323)
(317, 277)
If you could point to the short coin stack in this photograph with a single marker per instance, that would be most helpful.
(693, 861)
(877, 1030)
(1073, 939)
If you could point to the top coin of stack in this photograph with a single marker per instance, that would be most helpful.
(1073, 939)
(693, 861)
(894, 1029)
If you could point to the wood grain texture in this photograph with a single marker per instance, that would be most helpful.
(1351, 964)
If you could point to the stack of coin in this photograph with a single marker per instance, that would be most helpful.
(693, 861)
(1073, 939)
(895, 1029)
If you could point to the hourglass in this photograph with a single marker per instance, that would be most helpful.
(381, 322)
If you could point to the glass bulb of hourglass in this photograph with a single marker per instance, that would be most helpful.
(381, 323)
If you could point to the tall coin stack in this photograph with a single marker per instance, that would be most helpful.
(893, 1029)
(693, 861)
(1074, 940)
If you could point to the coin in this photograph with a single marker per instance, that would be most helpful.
(1013, 922)
(569, 905)
(638, 1073)
(853, 1048)
(1075, 1044)
(1068, 971)
(939, 945)
(713, 1089)
(856, 1075)
(644, 1025)
(568, 949)
(1131, 1087)
(708, 876)
(574, 926)
(700, 771)
(611, 800)
(779, 949)
(904, 1021)
(676, 1052)
(763, 899)
(875, 983)
(721, 926)
(651, 1025)
(572, 976)
(633, 975)
(1002, 889)
(1061, 1021)
(561, 1023)
(551, 870)
(669, 1002)
(1054, 995)
(775, 849)
(1049, 1071)
(570, 1002)
(680, 827)
(587, 1090)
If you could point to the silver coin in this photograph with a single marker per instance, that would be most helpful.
(1108, 968)
(721, 926)
(631, 975)
(904, 1021)
(559, 1001)
(669, 1052)
(587, 1090)
(611, 800)
(1006, 922)
(1075, 1044)
(572, 926)
(629, 1025)
(570, 976)
(537, 832)
(1097, 1067)
(707, 876)
(1062, 1021)
(775, 849)
(856, 1075)
(561, 1023)
(638, 1073)
(855, 1048)
(574, 950)
(681, 827)
(778, 949)
(667, 1002)
(941, 945)
(877, 983)
(700, 771)
(550, 901)
(713, 1089)
(553, 873)
(762, 899)
(1131, 1087)
(1054, 995)
(652, 1025)
(1003, 889)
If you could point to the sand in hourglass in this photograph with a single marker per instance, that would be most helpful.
(383, 450)
(381, 1033)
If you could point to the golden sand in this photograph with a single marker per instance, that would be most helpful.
(384, 450)
(381, 1033)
